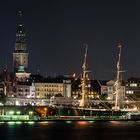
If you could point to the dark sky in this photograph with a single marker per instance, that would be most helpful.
(56, 30)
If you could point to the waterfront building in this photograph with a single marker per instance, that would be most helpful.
(92, 88)
(51, 86)
(67, 88)
(25, 90)
(133, 88)
(47, 90)
(76, 88)
(108, 90)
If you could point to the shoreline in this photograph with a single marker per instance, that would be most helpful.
(72, 120)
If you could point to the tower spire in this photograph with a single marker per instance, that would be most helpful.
(20, 55)
(20, 14)
(20, 33)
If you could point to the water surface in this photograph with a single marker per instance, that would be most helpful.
(67, 130)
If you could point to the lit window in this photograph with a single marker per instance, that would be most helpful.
(133, 85)
(129, 92)
(89, 85)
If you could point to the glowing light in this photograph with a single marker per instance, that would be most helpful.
(108, 98)
(115, 122)
(11, 112)
(74, 97)
(127, 101)
(68, 122)
(91, 121)
(28, 96)
(17, 103)
(12, 123)
(31, 112)
(31, 122)
(2, 123)
(44, 123)
(1, 104)
(45, 109)
(18, 122)
(84, 117)
(135, 109)
(18, 112)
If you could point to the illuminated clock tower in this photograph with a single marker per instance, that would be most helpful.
(20, 54)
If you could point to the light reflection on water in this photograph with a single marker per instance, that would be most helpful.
(68, 122)
(82, 123)
(115, 123)
(70, 130)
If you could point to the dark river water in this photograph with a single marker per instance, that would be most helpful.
(67, 130)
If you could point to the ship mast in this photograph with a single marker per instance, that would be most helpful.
(82, 101)
(118, 82)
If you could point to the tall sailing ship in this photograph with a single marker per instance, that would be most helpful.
(81, 110)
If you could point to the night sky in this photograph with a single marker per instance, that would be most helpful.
(56, 30)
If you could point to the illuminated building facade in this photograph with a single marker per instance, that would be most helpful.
(46, 90)
(92, 87)
(108, 89)
(133, 88)
(67, 88)
(25, 90)
(48, 87)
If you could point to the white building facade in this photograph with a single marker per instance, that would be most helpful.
(25, 91)
(109, 90)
